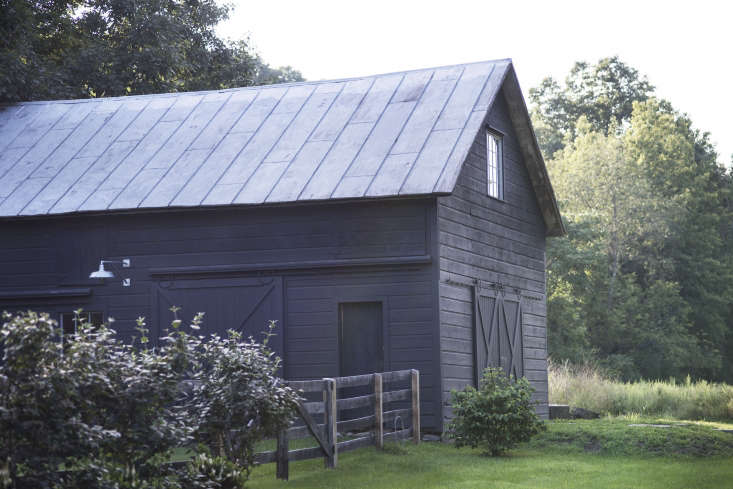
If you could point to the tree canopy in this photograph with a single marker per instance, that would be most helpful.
(603, 93)
(53, 49)
(644, 281)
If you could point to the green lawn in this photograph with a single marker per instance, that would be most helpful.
(603, 453)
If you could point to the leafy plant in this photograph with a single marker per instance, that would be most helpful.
(209, 471)
(240, 397)
(95, 412)
(497, 416)
(101, 48)
(42, 409)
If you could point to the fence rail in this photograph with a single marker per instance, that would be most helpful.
(330, 408)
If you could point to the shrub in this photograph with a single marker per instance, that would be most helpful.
(497, 416)
(240, 398)
(95, 412)
(42, 425)
(207, 471)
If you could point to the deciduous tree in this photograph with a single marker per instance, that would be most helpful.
(96, 48)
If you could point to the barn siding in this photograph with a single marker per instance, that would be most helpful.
(407, 301)
(493, 241)
(60, 252)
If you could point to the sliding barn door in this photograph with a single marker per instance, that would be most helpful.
(245, 305)
(498, 331)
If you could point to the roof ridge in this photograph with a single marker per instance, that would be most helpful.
(250, 87)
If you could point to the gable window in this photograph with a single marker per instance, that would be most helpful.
(494, 165)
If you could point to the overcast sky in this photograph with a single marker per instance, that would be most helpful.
(684, 48)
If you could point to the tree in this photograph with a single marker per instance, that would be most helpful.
(682, 166)
(610, 276)
(644, 281)
(97, 48)
(35, 37)
(595, 176)
(604, 93)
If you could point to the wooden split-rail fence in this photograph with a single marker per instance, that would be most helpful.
(401, 389)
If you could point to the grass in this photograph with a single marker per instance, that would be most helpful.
(588, 388)
(613, 436)
(604, 453)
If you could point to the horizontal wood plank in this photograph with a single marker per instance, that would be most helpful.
(362, 441)
(305, 453)
(400, 395)
(356, 423)
(265, 457)
(398, 435)
(355, 402)
(354, 381)
(395, 376)
(307, 385)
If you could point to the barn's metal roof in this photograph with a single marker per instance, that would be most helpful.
(397, 134)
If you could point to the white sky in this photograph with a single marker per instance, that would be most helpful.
(684, 48)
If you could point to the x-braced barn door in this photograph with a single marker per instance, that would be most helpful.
(498, 331)
(242, 304)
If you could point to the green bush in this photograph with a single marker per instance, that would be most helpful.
(239, 398)
(497, 416)
(207, 471)
(95, 412)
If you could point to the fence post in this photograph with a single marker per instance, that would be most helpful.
(378, 412)
(330, 420)
(415, 378)
(281, 455)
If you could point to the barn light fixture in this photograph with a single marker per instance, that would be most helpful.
(103, 273)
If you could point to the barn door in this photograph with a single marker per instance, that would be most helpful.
(498, 331)
(245, 305)
(360, 338)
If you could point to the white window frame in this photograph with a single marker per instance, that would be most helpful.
(494, 165)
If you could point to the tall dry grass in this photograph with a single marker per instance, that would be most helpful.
(587, 387)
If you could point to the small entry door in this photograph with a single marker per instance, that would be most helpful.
(360, 338)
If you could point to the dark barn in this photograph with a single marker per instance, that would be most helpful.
(386, 222)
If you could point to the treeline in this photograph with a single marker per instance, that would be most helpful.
(60, 49)
(643, 283)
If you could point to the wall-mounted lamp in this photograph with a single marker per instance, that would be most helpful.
(102, 273)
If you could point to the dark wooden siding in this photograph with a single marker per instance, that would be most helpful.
(493, 241)
(407, 301)
(323, 253)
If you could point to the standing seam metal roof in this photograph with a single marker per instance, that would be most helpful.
(388, 135)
